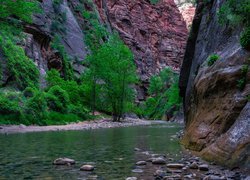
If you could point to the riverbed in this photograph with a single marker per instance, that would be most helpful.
(111, 151)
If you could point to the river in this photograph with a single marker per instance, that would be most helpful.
(30, 155)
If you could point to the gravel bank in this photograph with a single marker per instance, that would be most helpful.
(86, 125)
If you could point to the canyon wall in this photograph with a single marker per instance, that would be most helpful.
(215, 103)
(156, 34)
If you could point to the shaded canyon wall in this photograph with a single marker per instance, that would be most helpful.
(216, 108)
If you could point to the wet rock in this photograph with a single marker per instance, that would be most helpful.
(141, 163)
(189, 176)
(176, 176)
(213, 177)
(87, 167)
(131, 178)
(137, 171)
(175, 165)
(150, 159)
(160, 173)
(204, 167)
(64, 161)
(158, 161)
(158, 156)
(194, 165)
(136, 149)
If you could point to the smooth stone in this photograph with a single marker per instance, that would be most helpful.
(158, 161)
(176, 171)
(87, 168)
(160, 173)
(194, 165)
(64, 161)
(136, 149)
(141, 163)
(149, 159)
(189, 176)
(131, 178)
(158, 155)
(203, 167)
(137, 171)
(175, 165)
(213, 177)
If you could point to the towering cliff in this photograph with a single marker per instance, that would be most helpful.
(156, 34)
(215, 95)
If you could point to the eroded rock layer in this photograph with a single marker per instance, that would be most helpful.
(156, 34)
(215, 102)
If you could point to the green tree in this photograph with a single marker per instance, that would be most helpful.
(164, 94)
(113, 68)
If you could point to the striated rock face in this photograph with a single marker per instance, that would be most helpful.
(187, 9)
(156, 34)
(216, 107)
(37, 45)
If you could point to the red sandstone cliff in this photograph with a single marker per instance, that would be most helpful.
(156, 34)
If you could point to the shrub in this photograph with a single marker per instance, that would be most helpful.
(20, 66)
(79, 110)
(245, 38)
(8, 106)
(55, 118)
(58, 99)
(29, 92)
(164, 94)
(36, 109)
(212, 59)
(154, 1)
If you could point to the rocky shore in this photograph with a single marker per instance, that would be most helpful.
(86, 125)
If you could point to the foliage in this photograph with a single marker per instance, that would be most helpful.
(245, 38)
(112, 67)
(22, 9)
(56, 44)
(235, 12)
(164, 94)
(212, 59)
(154, 1)
(20, 66)
(58, 99)
(35, 109)
(242, 81)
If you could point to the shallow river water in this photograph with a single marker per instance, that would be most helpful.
(30, 155)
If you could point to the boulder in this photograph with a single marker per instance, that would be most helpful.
(203, 167)
(175, 165)
(87, 167)
(194, 165)
(64, 161)
(158, 160)
(141, 163)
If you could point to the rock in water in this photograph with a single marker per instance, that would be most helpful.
(141, 163)
(175, 165)
(158, 161)
(64, 161)
(131, 178)
(87, 168)
(194, 165)
(203, 167)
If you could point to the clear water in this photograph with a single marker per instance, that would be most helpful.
(30, 155)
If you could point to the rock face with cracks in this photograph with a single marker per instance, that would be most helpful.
(215, 102)
(156, 34)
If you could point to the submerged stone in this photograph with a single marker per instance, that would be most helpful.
(64, 161)
(87, 167)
